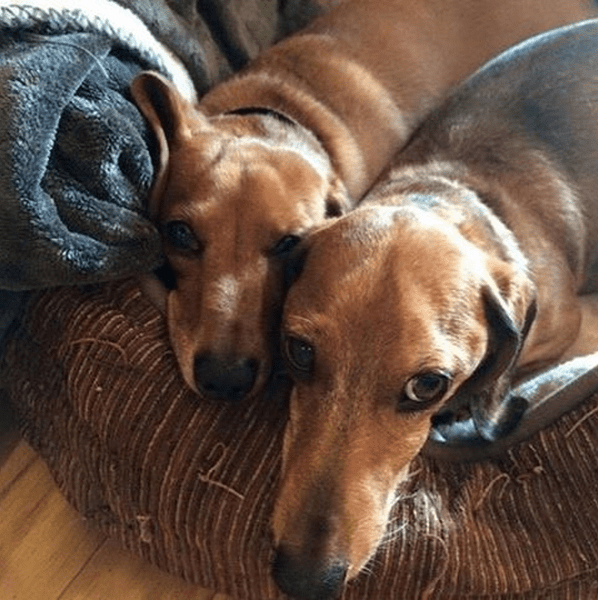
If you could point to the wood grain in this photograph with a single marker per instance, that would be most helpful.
(48, 552)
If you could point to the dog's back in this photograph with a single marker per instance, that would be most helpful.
(535, 102)
(396, 60)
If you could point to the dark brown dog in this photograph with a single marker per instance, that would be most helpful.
(472, 262)
(295, 138)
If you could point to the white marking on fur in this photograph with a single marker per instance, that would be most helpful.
(226, 295)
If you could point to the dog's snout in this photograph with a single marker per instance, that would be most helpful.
(304, 579)
(224, 379)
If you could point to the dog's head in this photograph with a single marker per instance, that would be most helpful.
(393, 314)
(233, 194)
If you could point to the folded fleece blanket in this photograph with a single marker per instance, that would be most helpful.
(75, 161)
(75, 154)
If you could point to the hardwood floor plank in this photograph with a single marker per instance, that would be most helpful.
(44, 543)
(48, 552)
(115, 573)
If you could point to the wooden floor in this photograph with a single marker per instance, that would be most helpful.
(47, 552)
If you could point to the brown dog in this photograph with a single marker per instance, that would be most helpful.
(472, 262)
(269, 154)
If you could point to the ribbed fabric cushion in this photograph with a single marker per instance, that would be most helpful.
(189, 484)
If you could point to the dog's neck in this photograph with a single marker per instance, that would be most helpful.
(263, 111)
(357, 152)
(449, 192)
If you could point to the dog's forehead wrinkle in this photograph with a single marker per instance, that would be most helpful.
(303, 143)
(253, 148)
(207, 156)
(430, 178)
(285, 189)
(362, 296)
(458, 199)
(307, 324)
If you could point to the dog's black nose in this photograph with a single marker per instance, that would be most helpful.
(225, 379)
(307, 580)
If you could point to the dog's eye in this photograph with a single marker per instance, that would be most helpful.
(300, 355)
(424, 389)
(285, 245)
(180, 236)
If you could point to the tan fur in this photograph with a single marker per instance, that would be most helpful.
(356, 82)
(369, 338)
(471, 257)
(384, 295)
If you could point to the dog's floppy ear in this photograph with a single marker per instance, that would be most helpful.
(162, 105)
(167, 113)
(495, 412)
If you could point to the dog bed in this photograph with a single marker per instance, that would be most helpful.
(189, 484)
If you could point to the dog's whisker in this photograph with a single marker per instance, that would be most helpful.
(402, 498)
(376, 561)
(369, 568)
(413, 474)
(393, 535)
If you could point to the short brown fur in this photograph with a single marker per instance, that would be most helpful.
(471, 263)
(355, 83)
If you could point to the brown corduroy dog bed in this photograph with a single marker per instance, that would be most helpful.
(189, 484)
